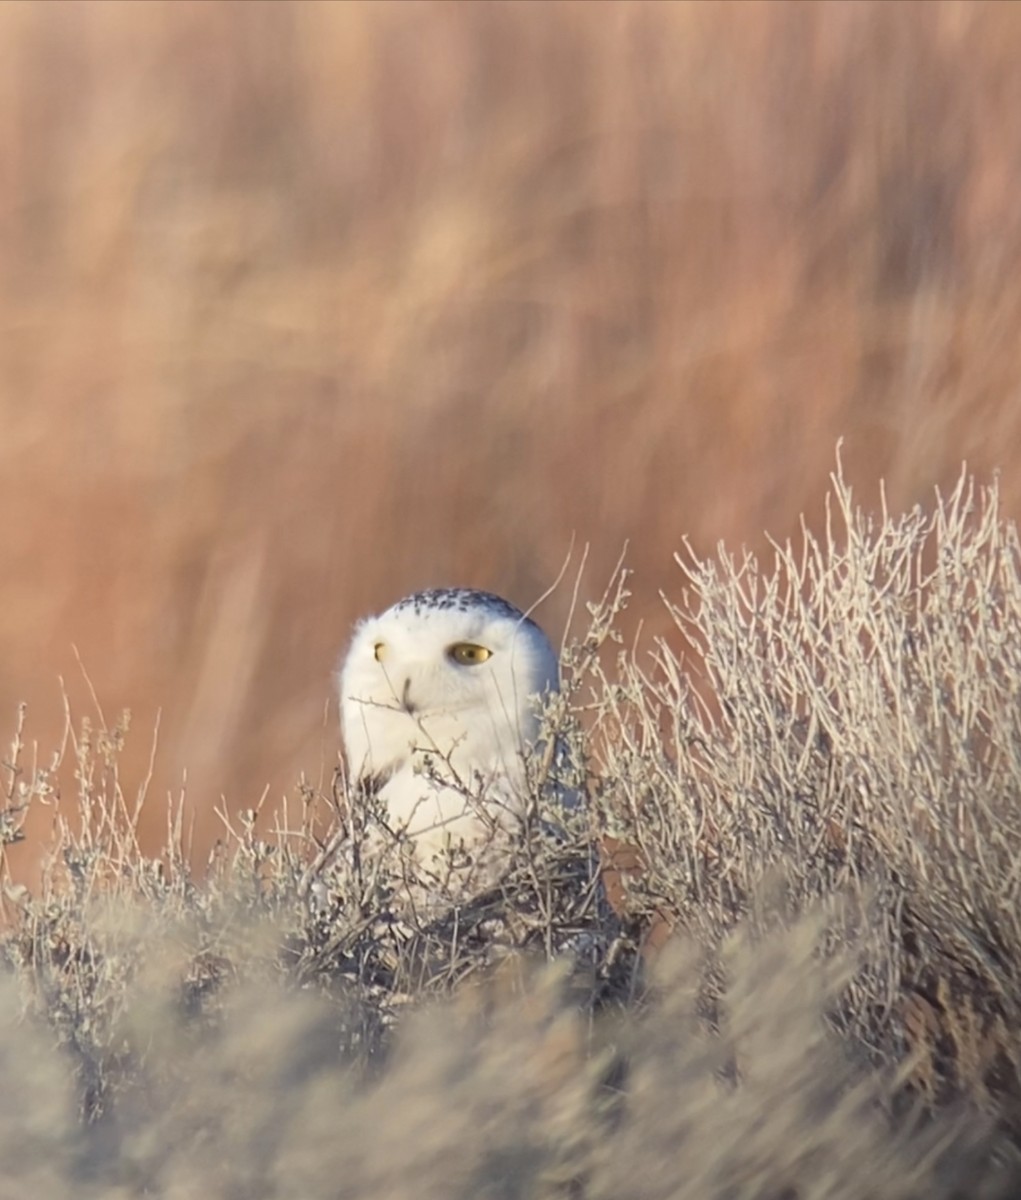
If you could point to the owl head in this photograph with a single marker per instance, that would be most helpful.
(451, 675)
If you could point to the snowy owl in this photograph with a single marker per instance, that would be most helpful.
(440, 699)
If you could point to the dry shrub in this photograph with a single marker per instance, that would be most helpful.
(853, 728)
(508, 1091)
(39, 1136)
(823, 810)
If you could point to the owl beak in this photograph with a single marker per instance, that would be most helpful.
(406, 703)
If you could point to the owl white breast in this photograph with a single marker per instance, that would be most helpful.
(440, 699)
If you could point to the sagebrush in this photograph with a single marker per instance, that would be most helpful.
(816, 785)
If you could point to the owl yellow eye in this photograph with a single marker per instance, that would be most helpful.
(379, 651)
(468, 654)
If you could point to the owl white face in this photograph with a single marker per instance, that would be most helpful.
(452, 674)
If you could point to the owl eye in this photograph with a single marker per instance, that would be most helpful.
(379, 651)
(468, 654)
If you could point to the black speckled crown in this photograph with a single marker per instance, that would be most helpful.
(459, 600)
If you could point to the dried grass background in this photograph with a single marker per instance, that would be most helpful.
(306, 305)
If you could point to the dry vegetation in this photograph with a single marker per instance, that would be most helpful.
(305, 305)
(825, 800)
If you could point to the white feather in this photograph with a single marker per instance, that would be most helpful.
(444, 743)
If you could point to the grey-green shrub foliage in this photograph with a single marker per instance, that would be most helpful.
(821, 788)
